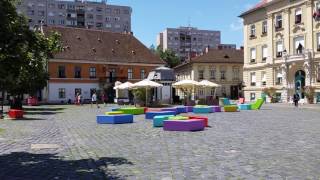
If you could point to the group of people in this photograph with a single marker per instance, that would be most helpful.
(94, 99)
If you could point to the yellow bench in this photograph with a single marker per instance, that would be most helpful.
(113, 113)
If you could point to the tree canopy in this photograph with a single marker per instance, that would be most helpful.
(23, 53)
(168, 56)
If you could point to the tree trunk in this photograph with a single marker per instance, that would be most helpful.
(16, 103)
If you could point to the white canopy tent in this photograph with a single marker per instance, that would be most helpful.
(187, 85)
(208, 84)
(147, 84)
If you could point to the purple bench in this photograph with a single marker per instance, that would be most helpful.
(216, 108)
(184, 125)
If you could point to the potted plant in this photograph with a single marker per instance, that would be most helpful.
(271, 93)
(309, 92)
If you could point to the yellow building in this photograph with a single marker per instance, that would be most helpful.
(221, 66)
(282, 48)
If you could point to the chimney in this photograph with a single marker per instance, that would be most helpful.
(207, 49)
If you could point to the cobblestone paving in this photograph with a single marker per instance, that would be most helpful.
(277, 142)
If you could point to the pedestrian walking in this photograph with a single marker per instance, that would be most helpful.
(94, 99)
(104, 99)
(296, 99)
(76, 99)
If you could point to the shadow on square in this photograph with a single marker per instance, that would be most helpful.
(23, 165)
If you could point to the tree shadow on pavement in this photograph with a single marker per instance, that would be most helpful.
(28, 166)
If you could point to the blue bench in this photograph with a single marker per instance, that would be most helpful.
(115, 119)
(151, 115)
(244, 106)
(182, 109)
(207, 109)
(158, 120)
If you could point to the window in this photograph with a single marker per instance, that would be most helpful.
(236, 73)
(99, 25)
(108, 19)
(201, 76)
(299, 44)
(99, 17)
(278, 22)
(99, 9)
(253, 79)
(61, 6)
(253, 55)
(77, 91)
(30, 12)
(51, 14)
(213, 73)
(318, 76)
(279, 78)
(126, 11)
(212, 91)
(77, 72)
(223, 91)
(61, 72)
(223, 74)
(108, 26)
(117, 26)
(264, 53)
(71, 15)
(252, 31)
(252, 96)
(130, 73)
(70, 7)
(61, 21)
(263, 78)
(264, 27)
(298, 17)
(93, 72)
(51, 21)
(142, 74)
(40, 13)
(117, 19)
(72, 23)
(52, 5)
(201, 92)
(62, 93)
(318, 42)
(116, 11)
(90, 16)
(279, 49)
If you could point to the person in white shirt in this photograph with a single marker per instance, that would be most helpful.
(94, 99)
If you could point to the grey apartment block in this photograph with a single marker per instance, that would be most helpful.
(188, 42)
(78, 13)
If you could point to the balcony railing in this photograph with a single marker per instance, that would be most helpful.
(298, 56)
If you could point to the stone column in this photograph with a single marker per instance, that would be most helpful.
(286, 32)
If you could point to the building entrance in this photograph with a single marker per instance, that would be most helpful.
(300, 82)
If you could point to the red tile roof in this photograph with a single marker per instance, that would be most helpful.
(96, 45)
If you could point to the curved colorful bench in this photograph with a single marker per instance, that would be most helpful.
(257, 105)
(15, 113)
(182, 109)
(170, 109)
(205, 119)
(115, 119)
(216, 109)
(151, 115)
(132, 110)
(183, 125)
(202, 109)
(113, 113)
(231, 108)
(158, 120)
(244, 106)
(189, 108)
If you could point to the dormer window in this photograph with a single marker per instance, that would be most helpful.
(298, 16)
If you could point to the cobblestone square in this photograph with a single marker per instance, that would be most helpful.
(65, 142)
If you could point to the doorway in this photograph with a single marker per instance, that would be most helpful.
(300, 83)
(234, 92)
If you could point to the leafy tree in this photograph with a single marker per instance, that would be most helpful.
(168, 56)
(23, 54)
(152, 49)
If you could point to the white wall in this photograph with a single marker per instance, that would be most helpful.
(70, 90)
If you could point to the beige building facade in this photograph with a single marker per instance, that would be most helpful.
(221, 66)
(282, 48)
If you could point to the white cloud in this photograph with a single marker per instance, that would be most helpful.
(237, 26)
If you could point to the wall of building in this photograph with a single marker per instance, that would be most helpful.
(290, 62)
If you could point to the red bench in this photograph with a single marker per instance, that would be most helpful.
(15, 113)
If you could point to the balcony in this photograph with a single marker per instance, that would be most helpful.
(298, 56)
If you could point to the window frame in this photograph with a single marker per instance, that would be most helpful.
(92, 72)
(77, 72)
(253, 83)
(62, 93)
(130, 73)
(264, 27)
(61, 74)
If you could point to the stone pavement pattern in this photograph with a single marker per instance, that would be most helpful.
(274, 143)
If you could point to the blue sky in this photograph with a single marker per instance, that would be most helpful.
(150, 17)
